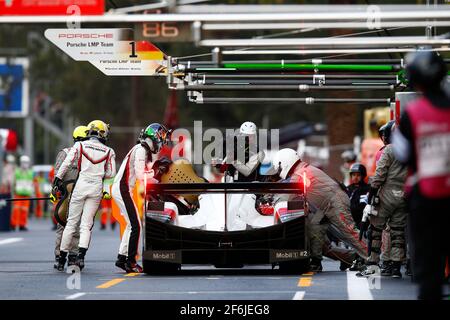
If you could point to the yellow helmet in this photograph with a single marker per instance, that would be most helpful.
(79, 133)
(98, 128)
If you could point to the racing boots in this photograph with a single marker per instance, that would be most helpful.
(386, 268)
(315, 265)
(80, 258)
(121, 262)
(396, 266)
(370, 269)
(408, 270)
(133, 267)
(61, 261)
(72, 260)
(358, 264)
(80, 263)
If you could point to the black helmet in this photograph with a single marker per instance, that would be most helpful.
(358, 168)
(425, 68)
(386, 131)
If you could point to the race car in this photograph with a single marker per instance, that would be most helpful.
(222, 224)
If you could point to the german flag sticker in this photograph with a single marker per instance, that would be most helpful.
(148, 51)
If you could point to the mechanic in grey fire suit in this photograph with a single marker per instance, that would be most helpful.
(79, 134)
(138, 160)
(96, 161)
(331, 204)
(387, 184)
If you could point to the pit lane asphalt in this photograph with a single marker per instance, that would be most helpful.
(26, 272)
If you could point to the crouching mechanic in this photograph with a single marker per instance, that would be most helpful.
(69, 178)
(387, 184)
(331, 204)
(95, 162)
(133, 167)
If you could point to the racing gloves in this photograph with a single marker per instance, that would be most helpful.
(57, 187)
(161, 166)
(106, 195)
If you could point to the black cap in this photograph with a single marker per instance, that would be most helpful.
(386, 131)
(359, 168)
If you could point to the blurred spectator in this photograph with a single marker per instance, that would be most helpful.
(349, 158)
(23, 189)
(8, 174)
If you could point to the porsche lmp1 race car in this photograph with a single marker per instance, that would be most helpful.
(221, 224)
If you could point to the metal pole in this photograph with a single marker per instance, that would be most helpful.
(326, 51)
(29, 135)
(308, 100)
(47, 135)
(301, 87)
(300, 67)
(317, 25)
(202, 76)
(217, 57)
(26, 199)
(419, 13)
(194, 63)
(335, 43)
(311, 82)
(225, 199)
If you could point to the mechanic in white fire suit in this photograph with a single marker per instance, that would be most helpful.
(137, 162)
(331, 204)
(96, 161)
(70, 177)
(247, 156)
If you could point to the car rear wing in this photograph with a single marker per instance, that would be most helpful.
(227, 188)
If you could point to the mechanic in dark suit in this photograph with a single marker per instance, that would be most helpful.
(356, 190)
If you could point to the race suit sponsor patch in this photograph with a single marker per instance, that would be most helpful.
(434, 155)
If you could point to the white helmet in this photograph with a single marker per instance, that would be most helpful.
(10, 158)
(248, 128)
(284, 160)
(24, 159)
(25, 162)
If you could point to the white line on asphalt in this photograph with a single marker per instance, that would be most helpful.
(203, 277)
(10, 240)
(75, 296)
(358, 287)
(299, 295)
(209, 292)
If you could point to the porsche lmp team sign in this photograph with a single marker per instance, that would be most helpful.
(113, 51)
(50, 7)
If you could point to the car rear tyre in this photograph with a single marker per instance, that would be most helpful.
(294, 267)
(162, 268)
